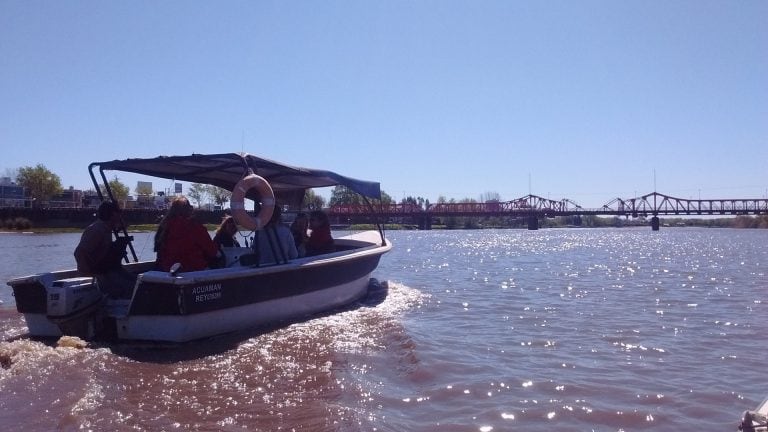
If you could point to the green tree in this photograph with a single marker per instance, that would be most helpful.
(119, 190)
(419, 201)
(41, 183)
(198, 192)
(312, 200)
(219, 195)
(385, 198)
(343, 195)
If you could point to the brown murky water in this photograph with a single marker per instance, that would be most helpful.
(600, 330)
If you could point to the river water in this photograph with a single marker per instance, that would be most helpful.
(492, 330)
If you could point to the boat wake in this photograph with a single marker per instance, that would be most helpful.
(23, 355)
(356, 328)
(303, 367)
(361, 327)
(393, 298)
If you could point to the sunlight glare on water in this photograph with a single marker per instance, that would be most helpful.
(590, 322)
(579, 329)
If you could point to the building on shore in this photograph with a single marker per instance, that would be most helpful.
(11, 194)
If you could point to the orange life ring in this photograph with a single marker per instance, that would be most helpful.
(237, 203)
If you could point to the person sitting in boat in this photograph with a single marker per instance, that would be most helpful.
(320, 240)
(181, 239)
(274, 243)
(97, 255)
(299, 228)
(225, 233)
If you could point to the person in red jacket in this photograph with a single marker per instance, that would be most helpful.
(181, 239)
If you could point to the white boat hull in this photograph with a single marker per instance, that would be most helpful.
(186, 306)
(181, 328)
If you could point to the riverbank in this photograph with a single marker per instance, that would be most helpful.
(74, 220)
(210, 227)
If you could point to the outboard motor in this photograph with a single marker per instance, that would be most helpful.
(73, 304)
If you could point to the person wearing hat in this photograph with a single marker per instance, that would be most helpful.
(97, 255)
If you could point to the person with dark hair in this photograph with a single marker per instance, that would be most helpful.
(225, 233)
(181, 239)
(275, 243)
(320, 240)
(97, 255)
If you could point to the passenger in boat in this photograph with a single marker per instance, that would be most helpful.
(320, 240)
(182, 239)
(97, 255)
(274, 243)
(226, 232)
(299, 230)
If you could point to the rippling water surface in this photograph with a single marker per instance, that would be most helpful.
(494, 330)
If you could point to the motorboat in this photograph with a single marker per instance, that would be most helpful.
(243, 293)
(755, 421)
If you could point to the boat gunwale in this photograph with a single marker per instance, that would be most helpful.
(237, 271)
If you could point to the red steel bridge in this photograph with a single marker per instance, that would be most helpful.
(535, 207)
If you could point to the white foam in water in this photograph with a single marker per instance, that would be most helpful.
(358, 329)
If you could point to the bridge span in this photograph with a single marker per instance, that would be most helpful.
(534, 208)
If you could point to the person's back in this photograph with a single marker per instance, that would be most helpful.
(97, 255)
(181, 239)
(92, 253)
(187, 242)
(275, 243)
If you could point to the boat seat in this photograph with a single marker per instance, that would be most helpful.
(236, 256)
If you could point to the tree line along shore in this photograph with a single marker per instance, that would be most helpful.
(68, 219)
(42, 184)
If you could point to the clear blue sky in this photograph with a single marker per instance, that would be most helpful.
(565, 99)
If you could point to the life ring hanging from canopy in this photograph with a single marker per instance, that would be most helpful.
(237, 202)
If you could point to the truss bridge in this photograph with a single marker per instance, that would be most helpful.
(534, 208)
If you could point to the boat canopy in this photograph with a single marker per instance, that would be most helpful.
(224, 170)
